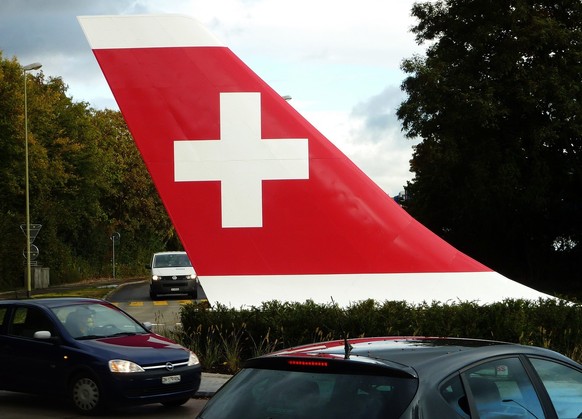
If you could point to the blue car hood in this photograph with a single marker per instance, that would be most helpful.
(145, 349)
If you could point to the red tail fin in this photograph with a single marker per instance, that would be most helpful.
(266, 207)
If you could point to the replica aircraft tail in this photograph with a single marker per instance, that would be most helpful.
(266, 207)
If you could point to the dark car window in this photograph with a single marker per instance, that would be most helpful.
(262, 393)
(454, 393)
(28, 320)
(502, 388)
(564, 385)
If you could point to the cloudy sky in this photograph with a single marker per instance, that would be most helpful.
(339, 60)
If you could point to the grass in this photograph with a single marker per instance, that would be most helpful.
(88, 292)
(96, 289)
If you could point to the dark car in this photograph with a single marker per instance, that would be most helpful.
(403, 377)
(91, 352)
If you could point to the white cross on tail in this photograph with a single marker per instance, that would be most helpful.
(241, 160)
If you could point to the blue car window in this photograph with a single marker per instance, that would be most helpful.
(502, 388)
(28, 320)
(564, 385)
(3, 311)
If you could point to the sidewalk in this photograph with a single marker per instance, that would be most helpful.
(211, 383)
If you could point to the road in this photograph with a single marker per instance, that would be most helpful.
(134, 299)
(24, 406)
(163, 313)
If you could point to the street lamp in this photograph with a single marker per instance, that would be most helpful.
(115, 239)
(29, 67)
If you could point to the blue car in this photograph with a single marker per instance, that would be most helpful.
(93, 353)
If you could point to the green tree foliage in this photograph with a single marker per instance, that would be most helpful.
(497, 103)
(132, 202)
(87, 181)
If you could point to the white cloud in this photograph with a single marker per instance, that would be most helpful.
(371, 137)
(338, 59)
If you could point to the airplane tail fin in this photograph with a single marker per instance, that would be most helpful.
(266, 207)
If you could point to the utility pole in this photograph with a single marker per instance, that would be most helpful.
(115, 240)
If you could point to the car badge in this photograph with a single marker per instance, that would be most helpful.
(174, 277)
(169, 366)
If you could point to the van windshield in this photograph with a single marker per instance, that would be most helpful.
(179, 260)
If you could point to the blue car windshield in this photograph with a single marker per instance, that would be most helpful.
(265, 393)
(94, 320)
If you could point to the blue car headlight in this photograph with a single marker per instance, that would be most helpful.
(193, 359)
(123, 366)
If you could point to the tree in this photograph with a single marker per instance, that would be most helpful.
(87, 180)
(131, 202)
(497, 103)
(12, 201)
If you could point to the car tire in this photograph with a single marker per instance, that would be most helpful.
(194, 295)
(176, 403)
(86, 394)
(153, 296)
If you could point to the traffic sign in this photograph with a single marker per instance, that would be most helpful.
(33, 252)
(34, 229)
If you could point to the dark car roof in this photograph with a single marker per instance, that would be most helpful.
(410, 355)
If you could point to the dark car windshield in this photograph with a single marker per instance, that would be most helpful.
(263, 393)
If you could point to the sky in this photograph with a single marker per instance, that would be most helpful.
(339, 60)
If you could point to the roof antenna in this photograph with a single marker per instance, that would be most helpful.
(347, 346)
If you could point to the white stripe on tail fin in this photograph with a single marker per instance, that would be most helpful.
(266, 207)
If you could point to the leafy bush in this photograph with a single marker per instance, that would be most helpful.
(224, 337)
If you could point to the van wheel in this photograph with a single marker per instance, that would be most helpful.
(86, 395)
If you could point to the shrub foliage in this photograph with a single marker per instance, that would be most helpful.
(224, 336)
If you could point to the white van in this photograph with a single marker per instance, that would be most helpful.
(172, 273)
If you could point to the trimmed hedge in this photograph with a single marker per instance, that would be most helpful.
(225, 336)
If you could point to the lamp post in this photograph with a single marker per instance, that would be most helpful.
(29, 67)
(114, 238)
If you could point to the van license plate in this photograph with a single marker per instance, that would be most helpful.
(171, 379)
(174, 289)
